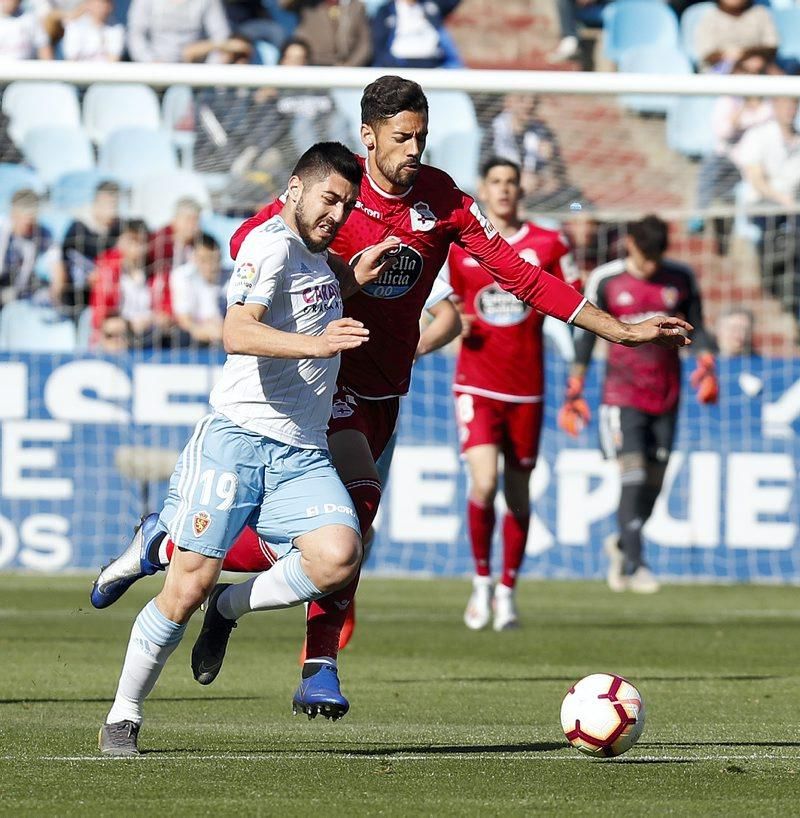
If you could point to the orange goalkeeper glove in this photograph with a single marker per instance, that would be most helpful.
(704, 378)
(574, 415)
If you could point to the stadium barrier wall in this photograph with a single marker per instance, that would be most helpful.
(729, 511)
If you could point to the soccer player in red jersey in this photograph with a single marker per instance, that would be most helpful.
(424, 209)
(499, 386)
(641, 388)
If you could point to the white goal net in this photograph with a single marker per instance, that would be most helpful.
(92, 417)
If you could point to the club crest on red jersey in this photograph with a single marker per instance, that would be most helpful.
(500, 308)
(398, 279)
(422, 218)
(200, 523)
(670, 296)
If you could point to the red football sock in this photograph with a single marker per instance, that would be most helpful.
(515, 536)
(249, 554)
(481, 527)
(326, 617)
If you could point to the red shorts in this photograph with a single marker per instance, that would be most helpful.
(375, 419)
(513, 427)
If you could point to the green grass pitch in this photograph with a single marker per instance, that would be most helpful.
(443, 721)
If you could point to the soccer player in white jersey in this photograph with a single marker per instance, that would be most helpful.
(261, 457)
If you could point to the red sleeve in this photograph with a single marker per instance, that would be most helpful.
(528, 282)
(454, 270)
(263, 215)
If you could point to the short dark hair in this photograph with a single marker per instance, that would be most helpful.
(108, 187)
(325, 158)
(388, 96)
(499, 162)
(650, 235)
(138, 226)
(294, 41)
(207, 242)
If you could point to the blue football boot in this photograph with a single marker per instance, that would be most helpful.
(320, 695)
(133, 564)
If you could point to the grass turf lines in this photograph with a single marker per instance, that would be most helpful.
(444, 721)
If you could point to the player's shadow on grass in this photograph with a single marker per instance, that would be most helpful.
(106, 700)
(388, 750)
(677, 745)
(527, 679)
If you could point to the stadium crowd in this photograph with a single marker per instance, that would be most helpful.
(243, 142)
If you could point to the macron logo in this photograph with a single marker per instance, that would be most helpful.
(368, 210)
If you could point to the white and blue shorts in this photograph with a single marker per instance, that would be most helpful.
(228, 477)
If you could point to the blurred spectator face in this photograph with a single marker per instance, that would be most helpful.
(240, 51)
(640, 262)
(8, 7)
(295, 54)
(735, 334)
(785, 109)
(754, 64)
(521, 106)
(186, 223)
(132, 245)
(734, 6)
(99, 10)
(24, 212)
(208, 262)
(105, 208)
(501, 192)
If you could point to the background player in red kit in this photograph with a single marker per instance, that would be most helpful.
(424, 209)
(641, 388)
(499, 386)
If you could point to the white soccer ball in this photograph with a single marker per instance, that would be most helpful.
(602, 715)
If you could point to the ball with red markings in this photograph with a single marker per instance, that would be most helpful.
(602, 715)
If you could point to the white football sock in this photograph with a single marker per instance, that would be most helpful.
(283, 586)
(153, 638)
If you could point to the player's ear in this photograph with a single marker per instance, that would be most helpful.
(295, 189)
(367, 136)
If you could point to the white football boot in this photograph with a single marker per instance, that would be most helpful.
(643, 581)
(505, 608)
(616, 580)
(479, 608)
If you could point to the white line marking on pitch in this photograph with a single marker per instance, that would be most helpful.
(522, 756)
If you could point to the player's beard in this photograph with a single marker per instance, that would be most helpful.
(402, 175)
(306, 226)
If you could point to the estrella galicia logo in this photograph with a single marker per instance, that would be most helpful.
(398, 279)
(500, 308)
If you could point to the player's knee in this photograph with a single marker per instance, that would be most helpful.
(483, 489)
(342, 559)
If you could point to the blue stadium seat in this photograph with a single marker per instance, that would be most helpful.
(54, 151)
(689, 126)
(787, 22)
(108, 108)
(631, 23)
(26, 327)
(689, 20)
(132, 153)
(154, 197)
(14, 178)
(74, 190)
(348, 104)
(83, 334)
(56, 221)
(266, 53)
(179, 121)
(373, 6)
(286, 19)
(652, 59)
(221, 228)
(31, 105)
(455, 136)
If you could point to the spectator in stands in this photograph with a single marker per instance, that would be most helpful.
(53, 16)
(159, 30)
(234, 50)
(411, 34)
(84, 241)
(769, 158)
(21, 34)
(518, 135)
(196, 293)
(129, 306)
(337, 31)
(733, 30)
(90, 36)
(735, 333)
(26, 249)
(251, 20)
(173, 245)
(569, 11)
(593, 242)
